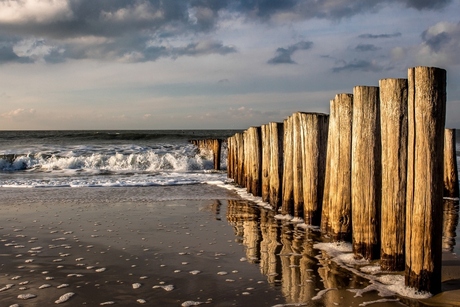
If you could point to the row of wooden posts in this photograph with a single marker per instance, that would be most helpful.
(374, 162)
(214, 145)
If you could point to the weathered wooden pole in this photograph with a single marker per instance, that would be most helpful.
(276, 164)
(314, 146)
(337, 198)
(266, 157)
(450, 164)
(393, 123)
(253, 151)
(239, 140)
(247, 143)
(216, 149)
(426, 114)
(326, 208)
(297, 163)
(230, 157)
(366, 172)
(287, 205)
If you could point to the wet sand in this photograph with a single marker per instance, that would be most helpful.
(155, 247)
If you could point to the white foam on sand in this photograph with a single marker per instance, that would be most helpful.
(386, 284)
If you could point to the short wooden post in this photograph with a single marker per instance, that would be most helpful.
(297, 163)
(230, 157)
(253, 151)
(314, 146)
(426, 114)
(450, 164)
(336, 217)
(276, 164)
(288, 196)
(239, 140)
(216, 149)
(366, 172)
(247, 160)
(393, 120)
(449, 225)
(266, 152)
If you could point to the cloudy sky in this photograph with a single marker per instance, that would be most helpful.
(188, 64)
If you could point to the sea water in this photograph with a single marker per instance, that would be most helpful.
(107, 158)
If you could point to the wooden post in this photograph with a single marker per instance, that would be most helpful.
(297, 164)
(239, 138)
(266, 152)
(253, 151)
(449, 225)
(216, 149)
(276, 164)
(288, 196)
(247, 160)
(426, 114)
(314, 146)
(337, 198)
(393, 120)
(366, 172)
(230, 157)
(450, 164)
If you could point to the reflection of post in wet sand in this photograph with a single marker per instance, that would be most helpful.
(269, 246)
(286, 255)
(245, 220)
(451, 208)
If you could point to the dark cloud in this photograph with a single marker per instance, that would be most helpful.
(117, 28)
(366, 47)
(427, 4)
(437, 41)
(358, 65)
(441, 44)
(283, 55)
(7, 54)
(373, 36)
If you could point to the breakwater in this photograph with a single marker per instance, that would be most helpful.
(370, 172)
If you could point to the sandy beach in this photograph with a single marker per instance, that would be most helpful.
(151, 246)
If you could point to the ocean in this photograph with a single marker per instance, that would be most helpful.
(146, 209)
(107, 158)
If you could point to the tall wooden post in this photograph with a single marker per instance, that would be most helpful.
(366, 172)
(266, 146)
(297, 163)
(276, 164)
(288, 196)
(450, 164)
(314, 146)
(337, 197)
(426, 114)
(393, 119)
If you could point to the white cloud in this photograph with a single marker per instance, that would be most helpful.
(38, 11)
(137, 12)
(441, 43)
(19, 114)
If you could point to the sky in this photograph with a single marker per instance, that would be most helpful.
(210, 64)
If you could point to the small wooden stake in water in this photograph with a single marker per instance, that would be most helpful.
(450, 165)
